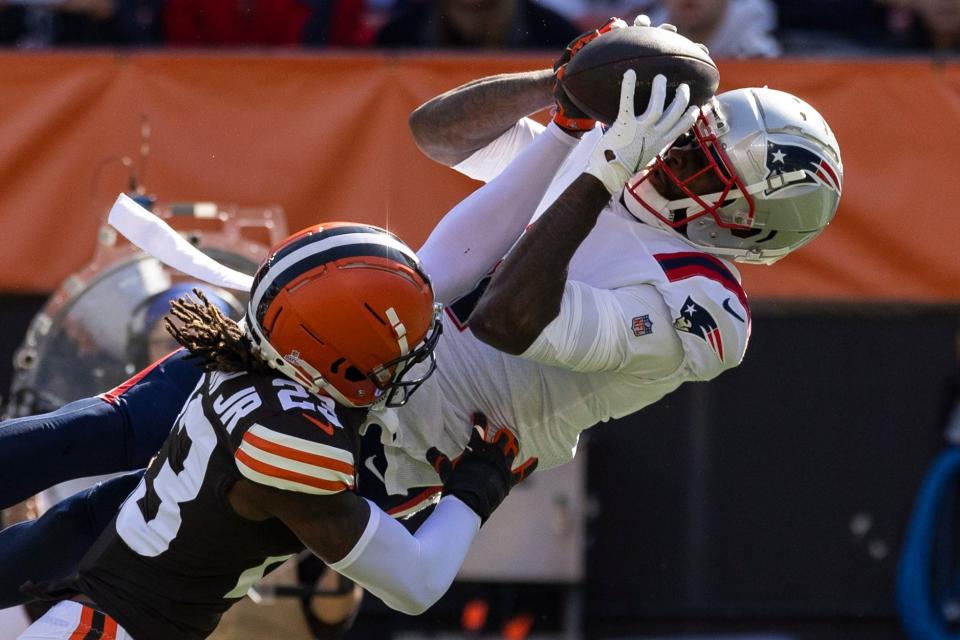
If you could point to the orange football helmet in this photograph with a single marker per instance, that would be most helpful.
(346, 310)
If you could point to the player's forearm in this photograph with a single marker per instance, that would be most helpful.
(524, 294)
(411, 572)
(476, 234)
(451, 126)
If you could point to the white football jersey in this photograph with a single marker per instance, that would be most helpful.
(642, 312)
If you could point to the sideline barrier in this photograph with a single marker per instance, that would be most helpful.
(325, 137)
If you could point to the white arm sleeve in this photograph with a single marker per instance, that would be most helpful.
(628, 330)
(410, 572)
(487, 162)
(476, 233)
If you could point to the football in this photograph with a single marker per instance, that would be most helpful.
(592, 78)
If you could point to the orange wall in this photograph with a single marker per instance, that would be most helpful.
(325, 137)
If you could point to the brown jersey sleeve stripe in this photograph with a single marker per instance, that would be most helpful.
(291, 476)
(295, 454)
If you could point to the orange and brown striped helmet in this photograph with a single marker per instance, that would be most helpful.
(346, 310)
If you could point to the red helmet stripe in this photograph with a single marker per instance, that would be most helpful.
(833, 181)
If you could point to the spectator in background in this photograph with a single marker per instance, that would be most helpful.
(829, 27)
(36, 25)
(477, 24)
(858, 27)
(587, 14)
(234, 22)
(338, 23)
(925, 24)
(138, 22)
(78, 23)
(729, 28)
(206, 23)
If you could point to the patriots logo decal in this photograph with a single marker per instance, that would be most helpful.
(697, 321)
(786, 158)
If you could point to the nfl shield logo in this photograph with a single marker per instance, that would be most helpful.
(642, 325)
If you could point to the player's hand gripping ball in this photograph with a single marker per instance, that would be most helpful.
(591, 79)
(567, 116)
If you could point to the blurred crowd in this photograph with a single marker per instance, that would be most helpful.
(730, 28)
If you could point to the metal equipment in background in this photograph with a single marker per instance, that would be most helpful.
(104, 322)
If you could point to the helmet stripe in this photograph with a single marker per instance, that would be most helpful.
(320, 251)
(321, 233)
(833, 181)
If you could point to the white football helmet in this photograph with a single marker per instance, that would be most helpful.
(779, 164)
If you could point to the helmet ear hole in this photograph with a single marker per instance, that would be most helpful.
(351, 373)
(354, 375)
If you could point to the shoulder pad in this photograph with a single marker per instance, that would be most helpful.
(711, 312)
(301, 448)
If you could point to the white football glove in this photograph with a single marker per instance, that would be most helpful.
(633, 141)
(644, 21)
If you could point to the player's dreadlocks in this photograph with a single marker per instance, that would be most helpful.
(219, 341)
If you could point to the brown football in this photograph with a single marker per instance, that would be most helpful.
(592, 78)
